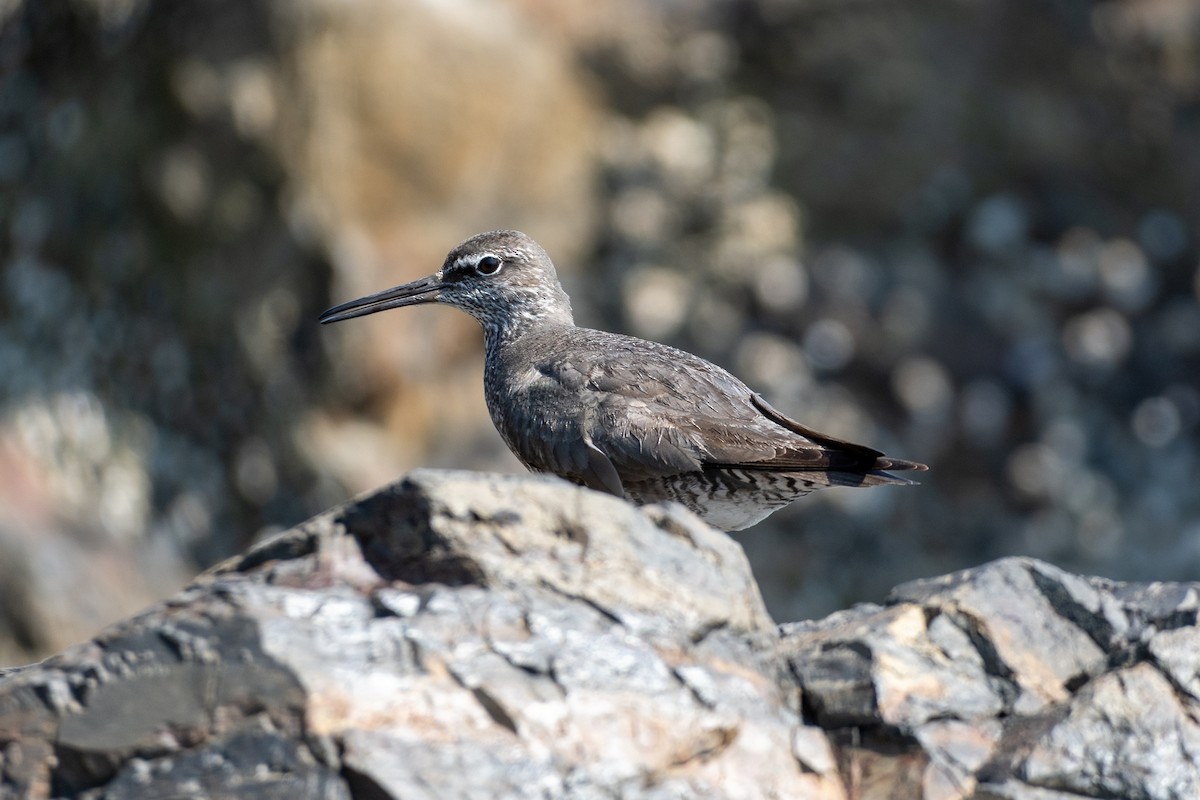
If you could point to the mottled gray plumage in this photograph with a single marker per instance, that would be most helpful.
(637, 419)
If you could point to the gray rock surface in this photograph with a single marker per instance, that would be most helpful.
(459, 635)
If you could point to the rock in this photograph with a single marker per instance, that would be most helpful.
(460, 635)
(1013, 680)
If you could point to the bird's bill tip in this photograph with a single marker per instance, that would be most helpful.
(425, 290)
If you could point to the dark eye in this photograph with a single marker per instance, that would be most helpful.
(488, 265)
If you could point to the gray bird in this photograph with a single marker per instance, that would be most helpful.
(618, 414)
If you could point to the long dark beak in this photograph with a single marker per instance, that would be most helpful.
(425, 290)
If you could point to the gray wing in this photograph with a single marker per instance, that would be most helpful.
(706, 418)
(631, 410)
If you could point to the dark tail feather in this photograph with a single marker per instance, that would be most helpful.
(898, 464)
(871, 460)
(875, 477)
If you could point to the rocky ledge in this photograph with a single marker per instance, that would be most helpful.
(470, 636)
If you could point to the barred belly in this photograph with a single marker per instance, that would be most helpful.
(728, 499)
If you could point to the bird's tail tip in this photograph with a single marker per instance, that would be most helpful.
(881, 471)
(899, 465)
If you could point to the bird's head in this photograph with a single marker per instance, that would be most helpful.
(504, 279)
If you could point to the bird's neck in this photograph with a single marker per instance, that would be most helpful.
(503, 330)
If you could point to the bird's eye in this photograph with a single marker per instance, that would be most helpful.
(488, 265)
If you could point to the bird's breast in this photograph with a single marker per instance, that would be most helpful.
(533, 412)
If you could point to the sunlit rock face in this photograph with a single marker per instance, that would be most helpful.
(459, 634)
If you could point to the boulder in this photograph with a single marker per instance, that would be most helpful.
(462, 635)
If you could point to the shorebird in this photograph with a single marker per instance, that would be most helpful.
(623, 415)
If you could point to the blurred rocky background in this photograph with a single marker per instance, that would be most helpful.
(962, 233)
